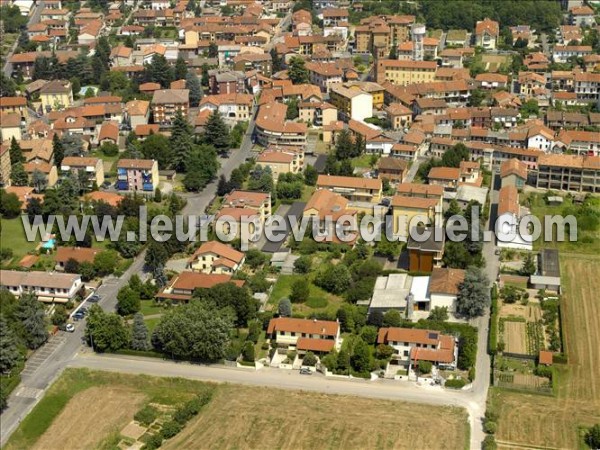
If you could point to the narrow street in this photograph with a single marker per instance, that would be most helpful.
(33, 19)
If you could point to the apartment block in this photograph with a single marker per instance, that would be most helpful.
(137, 175)
(569, 173)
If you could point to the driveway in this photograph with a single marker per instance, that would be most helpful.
(296, 210)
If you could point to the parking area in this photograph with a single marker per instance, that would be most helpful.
(42, 355)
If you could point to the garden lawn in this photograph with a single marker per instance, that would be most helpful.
(12, 235)
(318, 301)
(149, 308)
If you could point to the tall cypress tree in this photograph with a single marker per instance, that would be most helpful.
(58, 150)
(181, 141)
(16, 154)
(217, 132)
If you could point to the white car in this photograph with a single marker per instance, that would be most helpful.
(70, 327)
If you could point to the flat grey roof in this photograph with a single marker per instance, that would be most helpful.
(549, 263)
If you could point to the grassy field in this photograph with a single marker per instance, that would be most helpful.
(586, 238)
(237, 417)
(12, 235)
(538, 420)
(319, 300)
(261, 418)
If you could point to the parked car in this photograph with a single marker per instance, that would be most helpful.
(70, 328)
(305, 371)
(105, 185)
(94, 298)
(78, 316)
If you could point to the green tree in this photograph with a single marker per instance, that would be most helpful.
(193, 331)
(424, 367)
(456, 255)
(530, 108)
(60, 316)
(384, 351)
(310, 175)
(16, 154)
(389, 249)
(335, 279)
(158, 147)
(276, 61)
(453, 209)
(361, 358)
(303, 264)
(192, 82)
(248, 351)
(105, 331)
(58, 150)
(72, 266)
(217, 132)
(392, 318)
(285, 307)
(31, 314)
(105, 263)
(140, 339)
(213, 50)
(181, 70)
(309, 359)
(34, 208)
(7, 86)
(592, 437)
(474, 293)
(10, 205)
(438, 314)
(156, 255)
(297, 71)
(454, 156)
(181, 142)
(228, 295)
(300, 291)
(128, 301)
(476, 98)
(292, 111)
(343, 145)
(529, 266)
(369, 334)
(202, 167)
(159, 71)
(9, 351)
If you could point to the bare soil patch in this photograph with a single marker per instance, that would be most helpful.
(89, 417)
(260, 418)
(515, 336)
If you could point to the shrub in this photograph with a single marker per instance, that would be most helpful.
(146, 415)
(455, 384)
(489, 443)
(170, 429)
(424, 367)
(248, 352)
(309, 359)
(490, 427)
(153, 441)
(472, 373)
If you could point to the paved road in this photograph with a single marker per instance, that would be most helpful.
(286, 379)
(33, 19)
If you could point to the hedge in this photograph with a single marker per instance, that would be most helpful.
(493, 335)
(455, 384)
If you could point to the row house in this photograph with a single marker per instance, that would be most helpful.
(568, 120)
(412, 200)
(378, 34)
(430, 49)
(587, 86)
(352, 104)
(492, 80)
(354, 189)
(334, 16)
(14, 105)
(508, 234)
(48, 287)
(569, 173)
(23, 63)
(376, 141)
(405, 72)
(579, 142)
(562, 53)
(582, 16)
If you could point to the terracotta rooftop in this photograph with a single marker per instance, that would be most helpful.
(446, 281)
(306, 326)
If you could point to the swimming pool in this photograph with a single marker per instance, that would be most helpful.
(49, 244)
